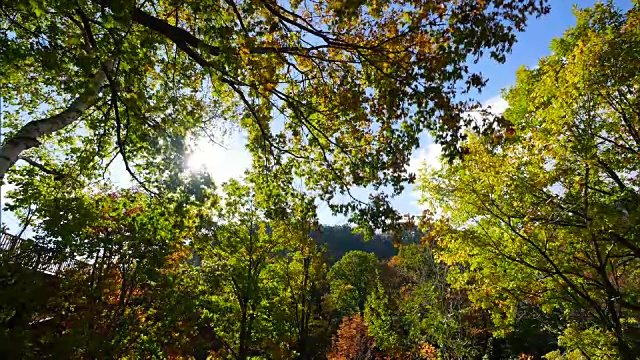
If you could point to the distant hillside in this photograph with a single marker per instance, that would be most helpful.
(340, 239)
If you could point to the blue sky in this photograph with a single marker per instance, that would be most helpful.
(532, 45)
(231, 161)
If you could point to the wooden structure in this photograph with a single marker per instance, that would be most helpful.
(31, 254)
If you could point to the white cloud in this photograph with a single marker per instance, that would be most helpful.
(428, 155)
(496, 105)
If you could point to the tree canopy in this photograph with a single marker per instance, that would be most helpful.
(527, 248)
(541, 215)
(336, 92)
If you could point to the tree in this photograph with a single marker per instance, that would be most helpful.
(297, 301)
(352, 280)
(352, 341)
(434, 313)
(256, 276)
(379, 318)
(542, 212)
(127, 250)
(340, 91)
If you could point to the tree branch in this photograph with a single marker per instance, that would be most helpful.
(182, 38)
(41, 167)
(28, 136)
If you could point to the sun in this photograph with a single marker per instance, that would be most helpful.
(222, 162)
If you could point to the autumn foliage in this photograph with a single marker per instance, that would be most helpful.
(352, 342)
(529, 246)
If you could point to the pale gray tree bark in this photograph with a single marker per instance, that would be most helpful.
(28, 136)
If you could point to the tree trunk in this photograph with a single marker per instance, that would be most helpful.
(27, 137)
(243, 348)
(305, 315)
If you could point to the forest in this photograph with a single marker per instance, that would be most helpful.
(526, 245)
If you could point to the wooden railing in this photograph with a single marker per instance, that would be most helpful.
(31, 254)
